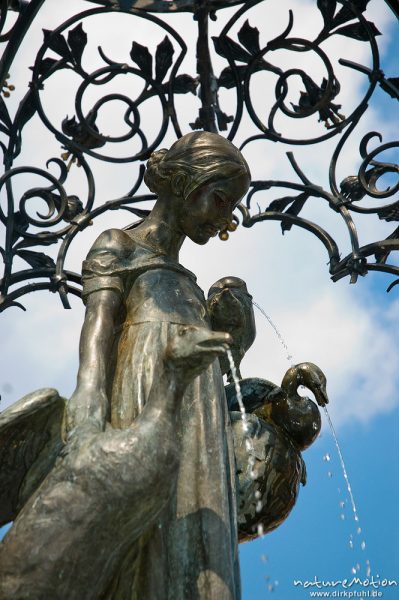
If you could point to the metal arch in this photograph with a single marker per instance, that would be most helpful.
(161, 78)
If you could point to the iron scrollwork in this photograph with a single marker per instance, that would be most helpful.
(157, 76)
(345, 19)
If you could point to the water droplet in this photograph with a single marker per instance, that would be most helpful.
(368, 570)
(359, 530)
(259, 506)
(329, 474)
(350, 542)
(276, 331)
(264, 558)
(356, 518)
(342, 517)
(353, 570)
(327, 457)
(270, 587)
(342, 504)
(261, 531)
(357, 567)
(363, 545)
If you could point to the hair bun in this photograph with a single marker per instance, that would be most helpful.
(153, 175)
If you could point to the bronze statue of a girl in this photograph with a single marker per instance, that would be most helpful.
(137, 295)
(139, 499)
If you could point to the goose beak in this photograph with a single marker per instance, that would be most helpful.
(313, 378)
(320, 394)
(217, 342)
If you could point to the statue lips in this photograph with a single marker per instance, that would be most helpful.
(210, 230)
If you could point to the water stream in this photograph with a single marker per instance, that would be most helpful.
(341, 458)
(278, 334)
(289, 357)
(248, 440)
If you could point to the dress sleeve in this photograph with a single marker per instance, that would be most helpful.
(104, 264)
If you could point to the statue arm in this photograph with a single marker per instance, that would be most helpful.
(102, 294)
(89, 401)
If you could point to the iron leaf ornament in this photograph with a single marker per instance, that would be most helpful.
(155, 75)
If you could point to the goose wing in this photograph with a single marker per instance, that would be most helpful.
(255, 393)
(277, 474)
(30, 440)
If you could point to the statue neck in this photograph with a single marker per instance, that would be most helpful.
(160, 230)
(291, 382)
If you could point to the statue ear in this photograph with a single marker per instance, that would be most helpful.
(178, 183)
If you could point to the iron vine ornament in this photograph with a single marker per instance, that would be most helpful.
(82, 140)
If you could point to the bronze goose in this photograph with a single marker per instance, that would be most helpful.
(281, 425)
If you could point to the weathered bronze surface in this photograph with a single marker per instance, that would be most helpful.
(133, 492)
(230, 309)
(282, 424)
(106, 489)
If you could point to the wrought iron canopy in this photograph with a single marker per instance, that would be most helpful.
(166, 6)
(84, 143)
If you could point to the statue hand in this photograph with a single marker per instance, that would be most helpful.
(85, 406)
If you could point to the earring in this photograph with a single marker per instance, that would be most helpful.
(224, 233)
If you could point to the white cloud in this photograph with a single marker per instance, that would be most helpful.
(328, 324)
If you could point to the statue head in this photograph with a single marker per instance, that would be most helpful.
(206, 176)
(196, 158)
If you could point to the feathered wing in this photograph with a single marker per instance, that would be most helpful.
(30, 441)
(255, 393)
(278, 470)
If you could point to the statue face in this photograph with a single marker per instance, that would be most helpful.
(209, 208)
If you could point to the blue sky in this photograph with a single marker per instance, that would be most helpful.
(315, 540)
(350, 331)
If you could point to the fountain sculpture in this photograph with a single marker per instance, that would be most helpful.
(142, 484)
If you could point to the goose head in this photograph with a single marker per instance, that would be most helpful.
(230, 309)
(192, 350)
(299, 416)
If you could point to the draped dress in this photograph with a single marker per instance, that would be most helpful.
(191, 553)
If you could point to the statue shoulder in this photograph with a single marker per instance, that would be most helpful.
(114, 241)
